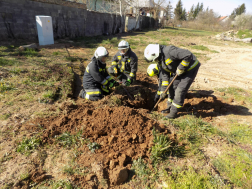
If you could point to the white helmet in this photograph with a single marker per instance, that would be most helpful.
(151, 52)
(152, 70)
(123, 45)
(101, 52)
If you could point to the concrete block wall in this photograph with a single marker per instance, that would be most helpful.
(17, 19)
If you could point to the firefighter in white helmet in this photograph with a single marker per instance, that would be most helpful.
(124, 64)
(172, 60)
(96, 80)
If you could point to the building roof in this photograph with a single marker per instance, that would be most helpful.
(222, 18)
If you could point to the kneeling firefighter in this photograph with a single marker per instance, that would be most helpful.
(96, 80)
(124, 64)
(173, 61)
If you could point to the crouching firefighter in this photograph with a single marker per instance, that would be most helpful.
(124, 64)
(174, 61)
(96, 80)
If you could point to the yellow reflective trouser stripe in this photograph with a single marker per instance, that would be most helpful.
(93, 92)
(104, 82)
(165, 83)
(132, 74)
(168, 61)
(176, 105)
(169, 100)
(184, 63)
(114, 63)
(194, 64)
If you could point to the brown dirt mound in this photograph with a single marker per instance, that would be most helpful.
(121, 126)
(123, 132)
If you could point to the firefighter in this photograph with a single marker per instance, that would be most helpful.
(96, 80)
(154, 69)
(124, 64)
(173, 60)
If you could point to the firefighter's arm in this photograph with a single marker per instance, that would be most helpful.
(183, 55)
(164, 83)
(95, 73)
(133, 66)
(114, 60)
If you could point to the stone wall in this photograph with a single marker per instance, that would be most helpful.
(143, 22)
(17, 19)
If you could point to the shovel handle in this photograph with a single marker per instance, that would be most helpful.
(164, 92)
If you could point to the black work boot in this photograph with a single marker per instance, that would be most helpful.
(81, 93)
(167, 110)
(173, 113)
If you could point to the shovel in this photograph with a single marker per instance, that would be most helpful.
(126, 92)
(164, 92)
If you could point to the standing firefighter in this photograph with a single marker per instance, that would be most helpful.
(173, 60)
(96, 80)
(124, 64)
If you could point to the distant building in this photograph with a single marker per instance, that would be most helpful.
(223, 19)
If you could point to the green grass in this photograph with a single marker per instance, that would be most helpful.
(188, 177)
(71, 59)
(7, 62)
(64, 184)
(92, 146)
(238, 93)
(142, 171)
(186, 32)
(200, 47)
(29, 53)
(193, 130)
(48, 96)
(162, 146)
(67, 140)
(236, 164)
(24, 176)
(244, 34)
(68, 170)
(56, 53)
(6, 86)
(5, 116)
(28, 145)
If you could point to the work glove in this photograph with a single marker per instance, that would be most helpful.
(157, 96)
(163, 96)
(179, 72)
(113, 83)
(128, 82)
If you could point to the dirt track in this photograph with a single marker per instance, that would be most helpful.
(231, 67)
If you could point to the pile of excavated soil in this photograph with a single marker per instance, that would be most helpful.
(121, 126)
(123, 133)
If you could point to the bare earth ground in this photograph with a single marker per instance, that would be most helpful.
(231, 67)
(123, 127)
